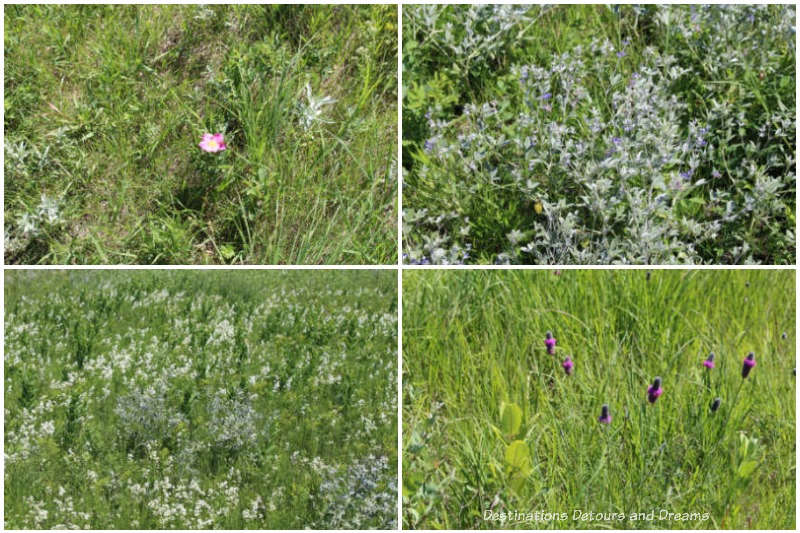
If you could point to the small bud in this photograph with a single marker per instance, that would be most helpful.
(784, 336)
(605, 416)
(748, 364)
(715, 404)
(709, 362)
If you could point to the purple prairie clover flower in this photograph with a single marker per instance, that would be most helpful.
(748, 364)
(605, 416)
(709, 362)
(616, 140)
(715, 404)
(621, 53)
(546, 96)
(550, 343)
(568, 364)
(654, 390)
(213, 143)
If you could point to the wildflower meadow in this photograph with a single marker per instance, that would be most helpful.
(599, 134)
(200, 134)
(594, 399)
(200, 400)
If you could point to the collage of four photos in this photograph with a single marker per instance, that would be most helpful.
(416, 266)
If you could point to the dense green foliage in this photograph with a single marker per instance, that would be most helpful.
(491, 421)
(200, 400)
(599, 134)
(105, 107)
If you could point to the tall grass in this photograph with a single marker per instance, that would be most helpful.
(474, 347)
(105, 106)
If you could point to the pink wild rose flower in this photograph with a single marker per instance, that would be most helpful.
(213, 143)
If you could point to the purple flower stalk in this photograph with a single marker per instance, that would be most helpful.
(550, 343)
(568, 364)
(605, 416)
(748, 364)
(709, 362)
(654, 390)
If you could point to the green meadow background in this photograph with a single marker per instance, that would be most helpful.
(477, 382)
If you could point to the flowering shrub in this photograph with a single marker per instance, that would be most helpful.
(363, 496)
(628, 151)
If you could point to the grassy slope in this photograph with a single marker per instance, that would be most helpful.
(475, 339)
(294, 330)
(112, 101)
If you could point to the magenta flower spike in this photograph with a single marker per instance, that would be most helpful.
(568, 364)
(654, 390)
(213, 143)
(605, 416)
(748, 364)
(550, 343)
(709, 362)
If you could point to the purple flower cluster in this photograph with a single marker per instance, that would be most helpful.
(550, 343)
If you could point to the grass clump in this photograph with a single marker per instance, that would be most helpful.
(200, 400)
(599, 134)
(620, 419)
(105, 107)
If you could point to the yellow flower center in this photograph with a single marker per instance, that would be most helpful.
(212, 144)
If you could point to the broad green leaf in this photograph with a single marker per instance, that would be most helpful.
(746, 468)
(518, 457)
(510, 418)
